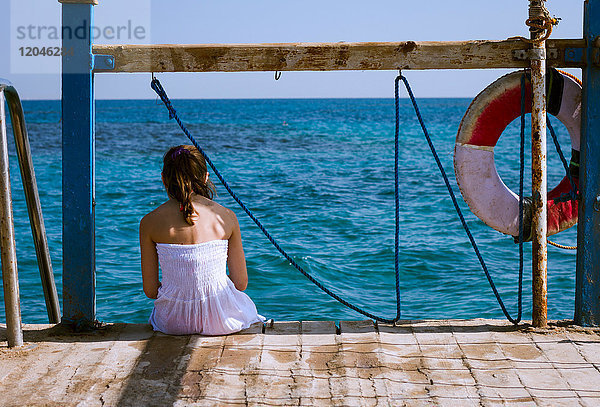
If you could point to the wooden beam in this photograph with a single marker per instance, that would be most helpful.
(328, 56)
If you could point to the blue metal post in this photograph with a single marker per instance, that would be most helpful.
(79, 291)
(587, 292)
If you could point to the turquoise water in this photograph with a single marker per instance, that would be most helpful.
(319, 174)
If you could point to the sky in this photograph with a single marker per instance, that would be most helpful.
(269, 21)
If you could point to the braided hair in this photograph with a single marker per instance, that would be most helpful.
(184, 172)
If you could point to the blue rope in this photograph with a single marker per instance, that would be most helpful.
(459, 212)
(397, 192)
(157, 87)
(572, 194)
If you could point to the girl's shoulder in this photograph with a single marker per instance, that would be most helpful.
(156, 218)
(217, 209)
(157, 212)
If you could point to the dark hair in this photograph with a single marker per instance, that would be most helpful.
(184, 172)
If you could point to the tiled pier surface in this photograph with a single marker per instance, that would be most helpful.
(421, 363)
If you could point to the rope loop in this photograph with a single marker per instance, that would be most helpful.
(545, 23)
(516, 320)
(157, 87)
(573, 194)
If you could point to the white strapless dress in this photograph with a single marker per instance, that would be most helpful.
(197, 296)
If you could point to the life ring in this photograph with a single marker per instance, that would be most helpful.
(481, 127)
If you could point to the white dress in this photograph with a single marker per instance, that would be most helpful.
(197, 296)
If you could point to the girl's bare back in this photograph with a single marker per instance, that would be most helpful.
(211, 222)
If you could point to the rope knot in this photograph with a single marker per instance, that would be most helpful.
(160, 91)
(539, 24)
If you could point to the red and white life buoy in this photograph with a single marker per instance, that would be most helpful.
(481, 127)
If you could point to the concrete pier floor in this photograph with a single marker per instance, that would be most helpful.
(418, 363)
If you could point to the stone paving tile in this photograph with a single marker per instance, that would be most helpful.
(158, 372)
(587, 345)
(581, 377)
(451, 382)
(111, 374)
(497, 382)
(361, 359)
(48, 372)
(319, 349)
(219, 367)
(57, 377)
(280, 351)
(536, 373)
(85, 381)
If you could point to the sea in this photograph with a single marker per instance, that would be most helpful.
(319, 174)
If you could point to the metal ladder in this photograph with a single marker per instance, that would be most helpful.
(7, 230)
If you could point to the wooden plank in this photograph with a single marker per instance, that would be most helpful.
(327, 56)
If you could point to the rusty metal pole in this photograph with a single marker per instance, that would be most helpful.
(537, 12)
(8, 251)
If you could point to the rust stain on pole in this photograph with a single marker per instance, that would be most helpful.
(538, 172)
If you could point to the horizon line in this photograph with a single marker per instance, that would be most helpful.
(264, 98)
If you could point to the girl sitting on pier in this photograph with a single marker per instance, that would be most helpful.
(194, 239)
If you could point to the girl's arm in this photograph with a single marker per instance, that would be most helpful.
(149, 260)
(236, 261)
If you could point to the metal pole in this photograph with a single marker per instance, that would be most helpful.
(79, 280)
(538, 170)
(34, 208)
(8, 254)
(587, 288)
